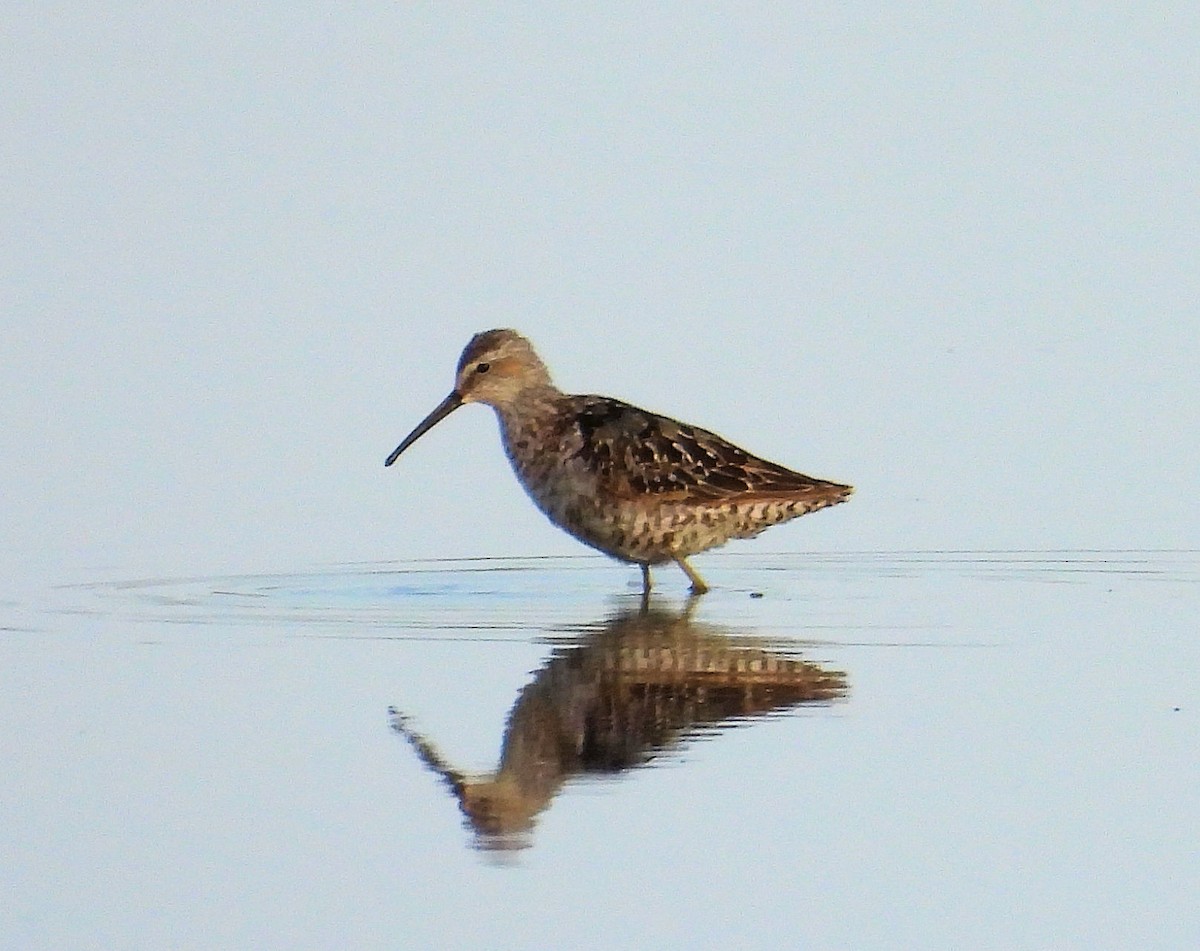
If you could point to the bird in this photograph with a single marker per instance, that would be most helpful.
(640, 487)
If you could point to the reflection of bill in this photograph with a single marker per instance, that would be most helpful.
(634, 689)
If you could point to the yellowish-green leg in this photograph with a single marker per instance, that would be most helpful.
(698, 585)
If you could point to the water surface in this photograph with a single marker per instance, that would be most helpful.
(861, 750)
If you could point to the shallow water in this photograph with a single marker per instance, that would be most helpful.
(861, 750)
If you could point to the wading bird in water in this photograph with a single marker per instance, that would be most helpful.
(639, 487)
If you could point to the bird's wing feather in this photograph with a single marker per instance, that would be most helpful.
(636, 453)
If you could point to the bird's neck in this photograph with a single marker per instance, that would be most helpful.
(530, 413)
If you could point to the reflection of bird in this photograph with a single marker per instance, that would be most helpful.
(628, 692)
(637, 486)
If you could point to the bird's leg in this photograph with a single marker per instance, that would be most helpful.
(698, 585)
(646, 582)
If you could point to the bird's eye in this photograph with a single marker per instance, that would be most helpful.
(483, 368)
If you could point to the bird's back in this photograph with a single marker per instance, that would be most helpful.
(643, 456)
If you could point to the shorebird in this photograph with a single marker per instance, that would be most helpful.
(640, 487)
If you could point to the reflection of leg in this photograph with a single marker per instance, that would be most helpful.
(698, 585)
(645, 578)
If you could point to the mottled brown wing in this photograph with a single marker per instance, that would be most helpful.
(637, 453)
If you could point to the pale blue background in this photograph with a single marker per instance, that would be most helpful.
(948, 255)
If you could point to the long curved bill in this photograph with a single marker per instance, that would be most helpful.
(443, 409)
